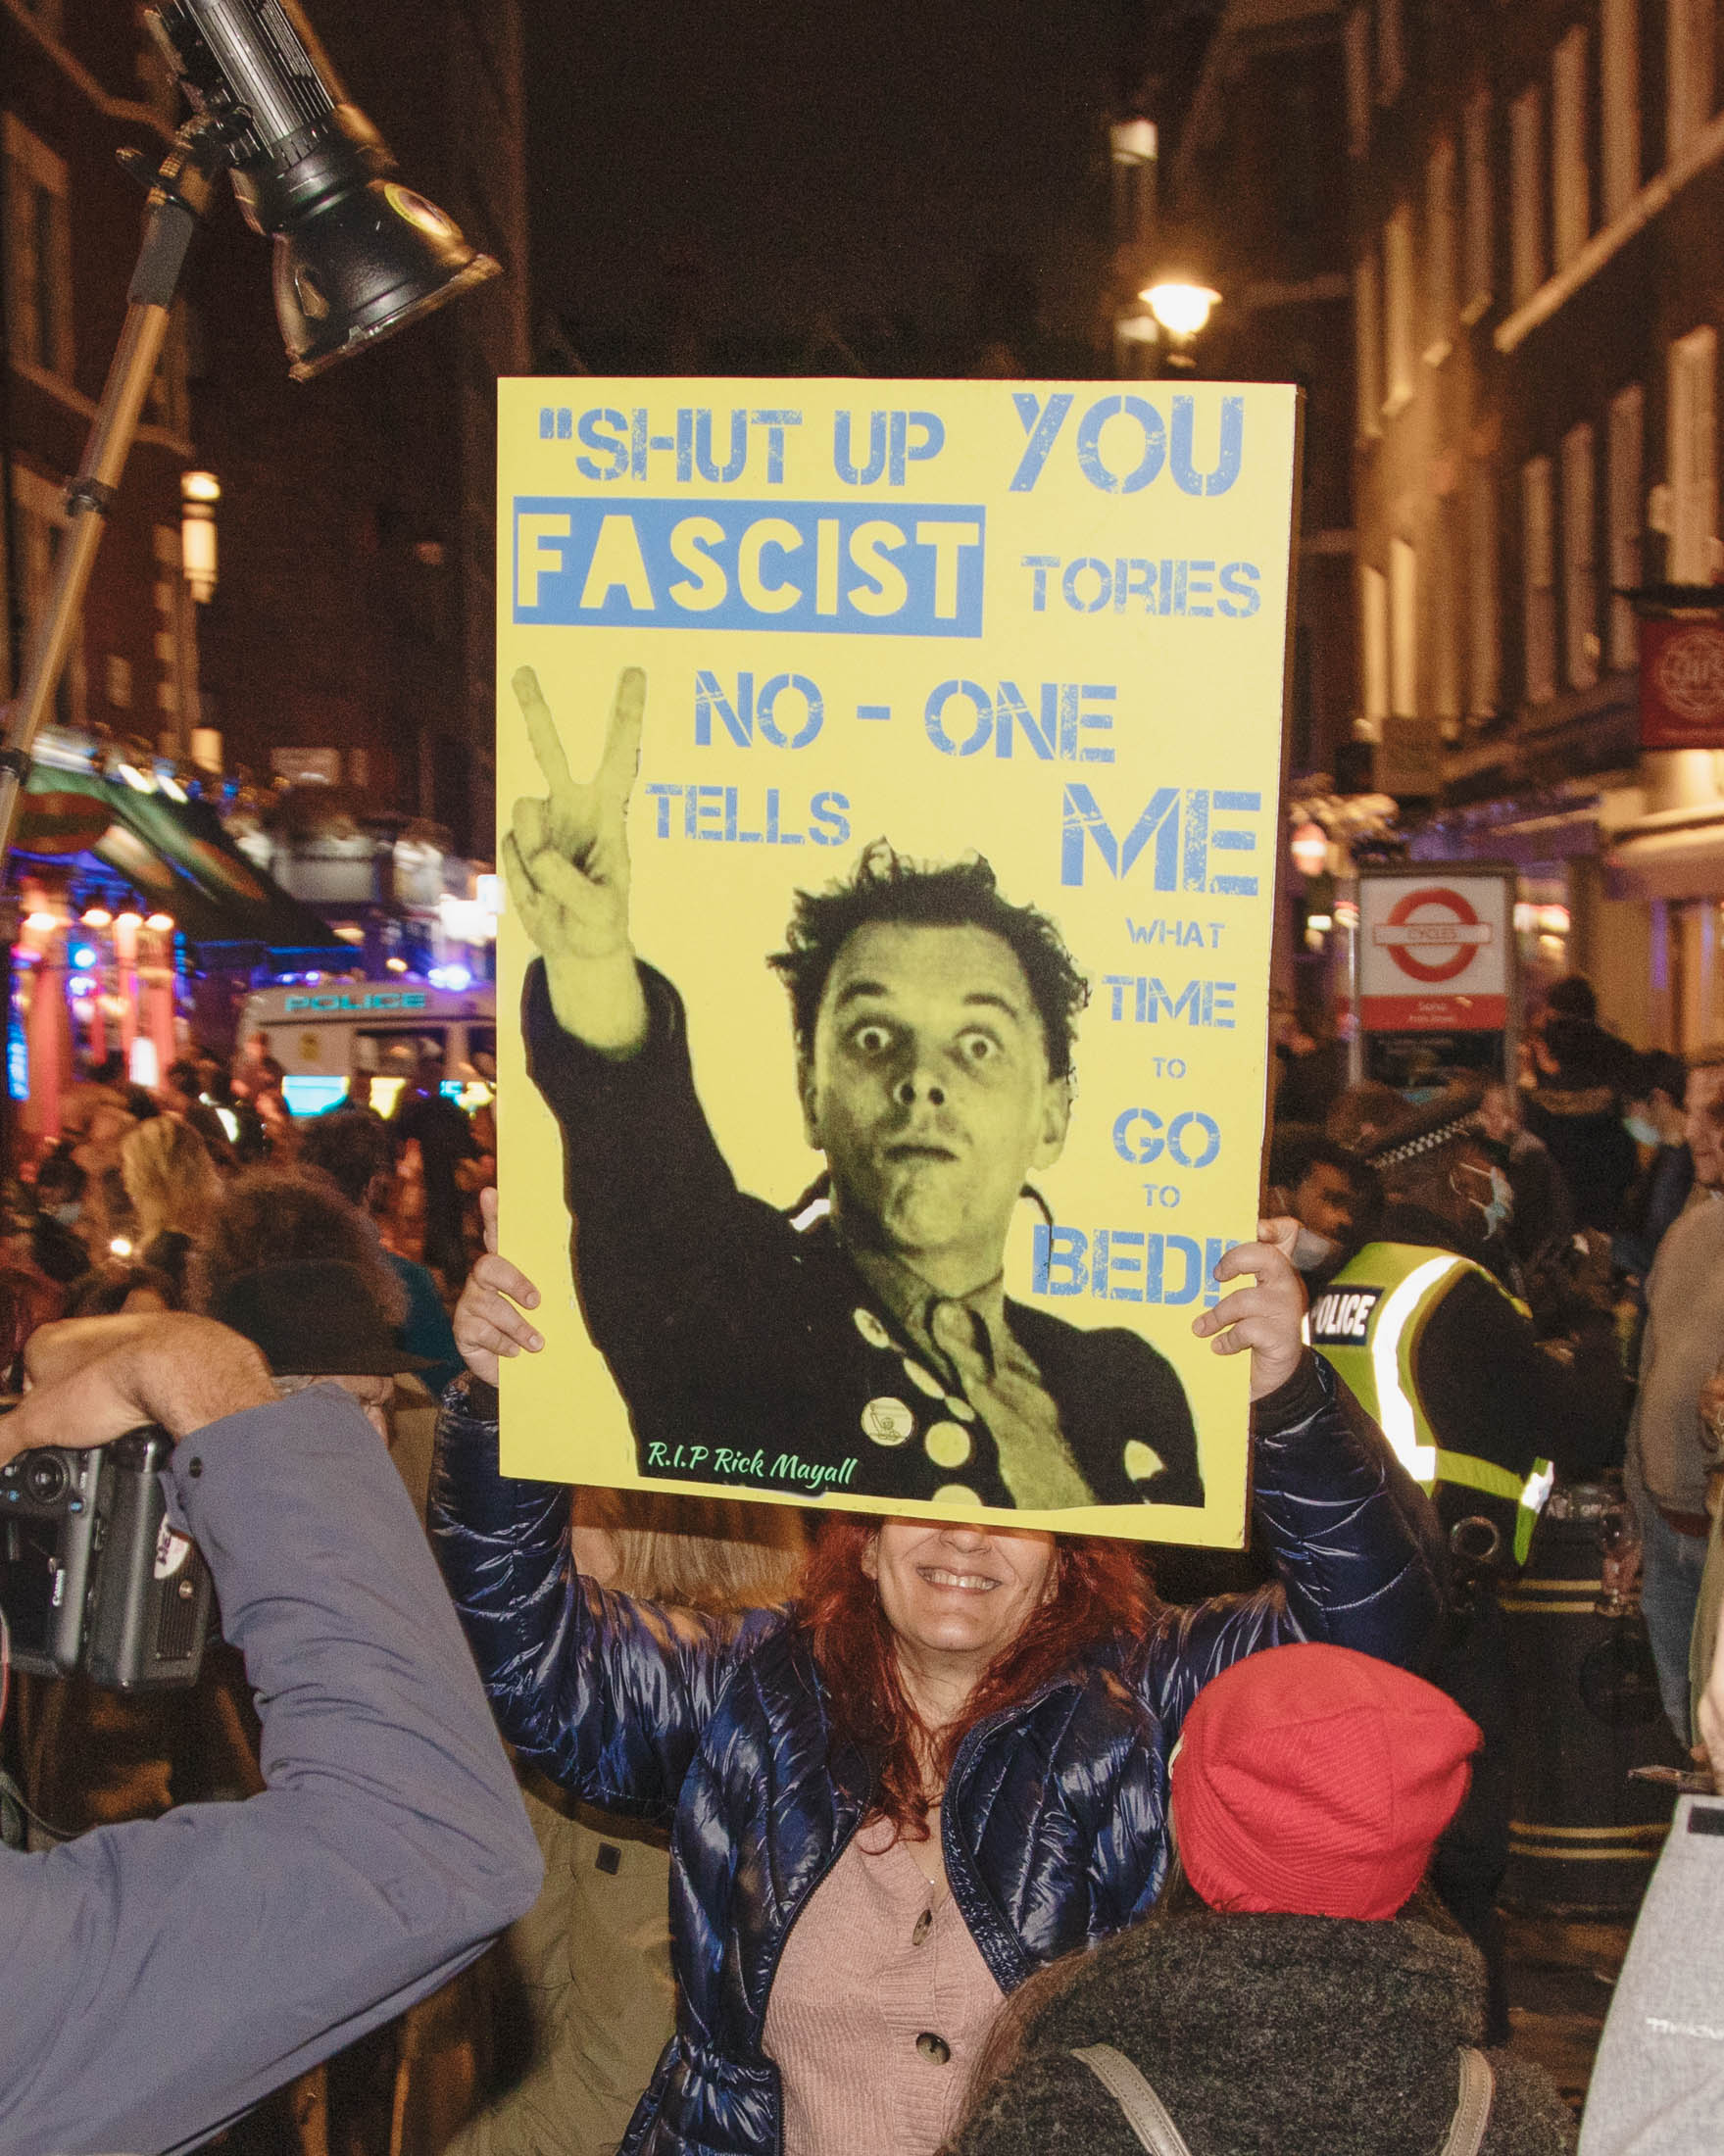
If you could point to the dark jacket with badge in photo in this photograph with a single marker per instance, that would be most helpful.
(751, 1348)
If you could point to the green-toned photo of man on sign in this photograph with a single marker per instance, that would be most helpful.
(862, 1340)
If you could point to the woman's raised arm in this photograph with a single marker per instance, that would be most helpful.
(606, 1694)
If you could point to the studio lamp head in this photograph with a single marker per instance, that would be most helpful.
(358, 256)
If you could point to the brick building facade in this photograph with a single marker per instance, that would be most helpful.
(1537, 195)
(355, 611)
(79, 80)
(1257, 196)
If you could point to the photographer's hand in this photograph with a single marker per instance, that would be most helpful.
(487, 1323)
(94, 1379)
(567, 860)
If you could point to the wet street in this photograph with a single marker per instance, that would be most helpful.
(1561, 1972)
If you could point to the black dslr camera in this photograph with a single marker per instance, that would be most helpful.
(92, 1574)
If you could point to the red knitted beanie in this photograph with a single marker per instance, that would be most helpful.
(1315, 1780)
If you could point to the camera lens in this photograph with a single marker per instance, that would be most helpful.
(45, 1477)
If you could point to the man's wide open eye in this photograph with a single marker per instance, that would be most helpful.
(872, 1039)
(978, 1047)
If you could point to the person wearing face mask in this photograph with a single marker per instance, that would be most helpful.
(1327, 1189)
(1478, 1403)
(1655, 1119)
(1581, 1076)
(1481, 1412)
(1544, 1211)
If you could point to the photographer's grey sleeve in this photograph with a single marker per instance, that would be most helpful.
(1657, 2088)
(158, 1977)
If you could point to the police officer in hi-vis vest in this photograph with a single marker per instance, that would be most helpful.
(1435, 1345)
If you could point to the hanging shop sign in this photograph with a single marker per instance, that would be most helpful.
(1682, 679)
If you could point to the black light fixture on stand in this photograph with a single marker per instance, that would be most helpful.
(357, 257)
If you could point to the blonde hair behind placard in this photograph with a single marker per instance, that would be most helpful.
(169, 1177)
(716, 1554)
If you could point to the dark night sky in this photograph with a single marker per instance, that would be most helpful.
(743, 164)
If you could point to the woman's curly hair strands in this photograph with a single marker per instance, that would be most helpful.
(1099, 1590)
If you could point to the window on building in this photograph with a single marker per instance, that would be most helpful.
(41, 521)
(1570, 179)
(38, 254)
(1440, 251)
(1397, 330)
(1373, 600)
(1403, 630)
(1368, 329)
(1357, 57)
(1687, 73)
(1390, 51)
(1619, 104)
(1538, 578)
(1692, 455)
(175, 635)
(167, 405)
(1526, 191)
(1625, 481)
(1478, 271)
(1580, 577)
(1484, 673)
(1443, 553)
(1303, 131)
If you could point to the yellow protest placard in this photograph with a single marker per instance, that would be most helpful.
(889, 773)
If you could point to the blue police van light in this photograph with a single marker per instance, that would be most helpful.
(83, 955)
(307, 1096)
(18, 1057)
(454, 978)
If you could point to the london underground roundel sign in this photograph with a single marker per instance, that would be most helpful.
(1432, 934)
(1433, 953)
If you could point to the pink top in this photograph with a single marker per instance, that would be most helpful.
(881, 2002)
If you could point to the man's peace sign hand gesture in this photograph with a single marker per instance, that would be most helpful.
(567, 860)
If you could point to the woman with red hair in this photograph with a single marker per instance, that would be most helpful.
(942, 1767)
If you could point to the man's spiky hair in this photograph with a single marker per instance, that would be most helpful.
(887, 886)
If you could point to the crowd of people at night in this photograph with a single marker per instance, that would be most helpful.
(1587, 1334)
(828, 1833)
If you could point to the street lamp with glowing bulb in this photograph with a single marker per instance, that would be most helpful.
(1182, 307)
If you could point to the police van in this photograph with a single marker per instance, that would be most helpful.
(364, 1040)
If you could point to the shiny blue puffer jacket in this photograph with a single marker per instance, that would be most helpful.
(1054, 1822)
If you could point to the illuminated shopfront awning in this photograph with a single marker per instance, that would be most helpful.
(1677, 853)
(179, 860)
